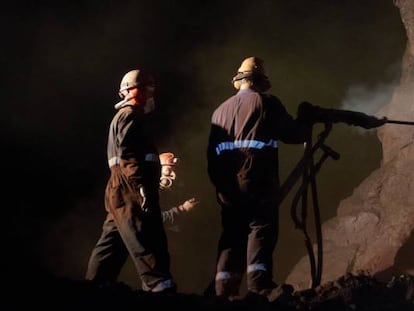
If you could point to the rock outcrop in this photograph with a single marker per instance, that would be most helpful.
(373, 231)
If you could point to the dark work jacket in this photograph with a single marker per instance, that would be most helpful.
(243, 143)
(131, 147)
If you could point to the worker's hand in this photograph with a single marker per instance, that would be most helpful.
(188, 205)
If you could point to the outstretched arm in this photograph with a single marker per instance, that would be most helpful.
(171, 214)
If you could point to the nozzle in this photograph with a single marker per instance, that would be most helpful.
(400, 122)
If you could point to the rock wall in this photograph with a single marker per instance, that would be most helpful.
(373, 231)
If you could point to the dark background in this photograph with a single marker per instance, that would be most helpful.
(61, 66)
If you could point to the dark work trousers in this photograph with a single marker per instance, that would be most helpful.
(128, 230)
(246, 245)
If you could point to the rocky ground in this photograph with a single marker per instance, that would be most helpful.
(350, 292)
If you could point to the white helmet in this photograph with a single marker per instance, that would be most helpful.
(135, 78)
(141, 79)
(252, 69)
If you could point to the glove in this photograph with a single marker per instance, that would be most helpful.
(188, 205)
(168, 163)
